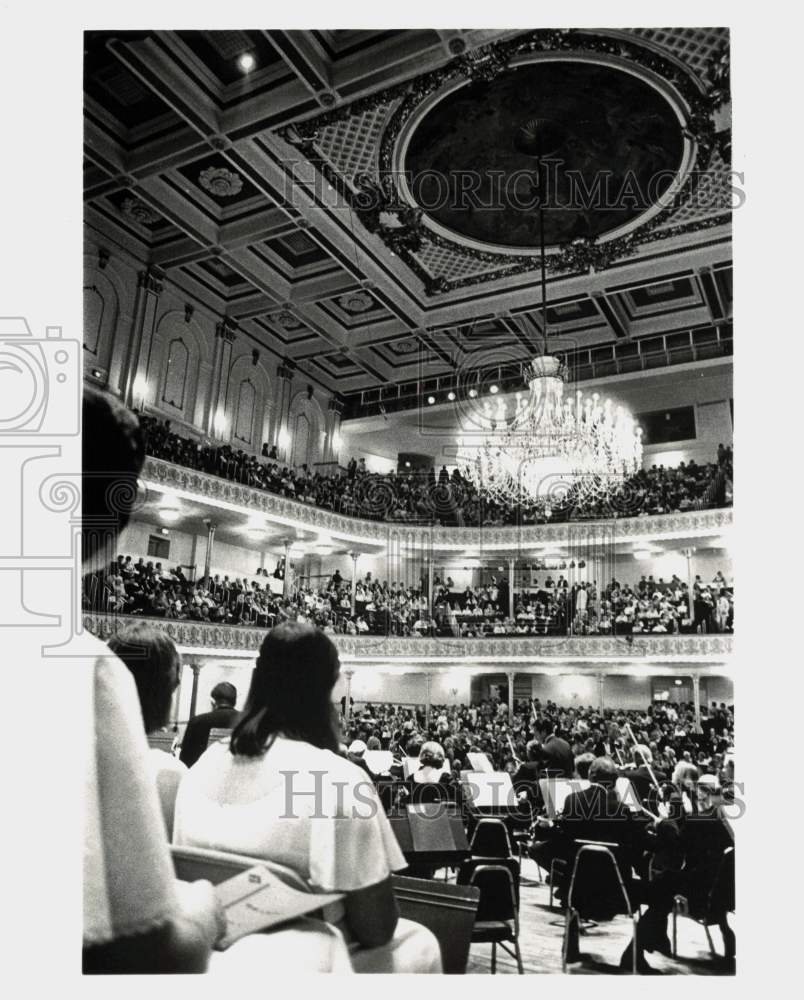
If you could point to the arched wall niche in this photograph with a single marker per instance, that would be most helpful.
(178, 354)
(306, 419)
(103, 294)
(249, 404)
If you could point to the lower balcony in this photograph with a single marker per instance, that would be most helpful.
(242, 642)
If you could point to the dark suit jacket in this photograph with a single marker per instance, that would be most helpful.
(196, 736)
(526, 779)
(643, 786)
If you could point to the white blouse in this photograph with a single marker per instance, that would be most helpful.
(297, 805)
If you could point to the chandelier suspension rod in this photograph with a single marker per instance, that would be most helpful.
(541, 248)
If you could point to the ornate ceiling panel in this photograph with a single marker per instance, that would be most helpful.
(274, 194)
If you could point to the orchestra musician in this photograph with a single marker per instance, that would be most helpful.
(597, 814)
(555, 754)
(642, 775)
(704, 834)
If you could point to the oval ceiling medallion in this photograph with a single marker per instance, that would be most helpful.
(609, 142)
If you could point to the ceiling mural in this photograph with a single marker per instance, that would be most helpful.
(294, 182)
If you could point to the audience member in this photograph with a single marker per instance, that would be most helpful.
(281, 791)
(154, 662)
(222, 715)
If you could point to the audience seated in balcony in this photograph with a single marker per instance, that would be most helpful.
(447, 500)
(549, 607)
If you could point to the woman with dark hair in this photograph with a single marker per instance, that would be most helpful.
(281, 791)
(155, 664)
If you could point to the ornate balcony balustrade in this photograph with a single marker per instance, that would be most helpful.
(195, 485)
(242, 641)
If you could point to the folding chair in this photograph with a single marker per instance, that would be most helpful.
(719, 900)
(497, 919)
(490, 839)
(597, 892)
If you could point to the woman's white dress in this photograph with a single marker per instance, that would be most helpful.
(310, 810)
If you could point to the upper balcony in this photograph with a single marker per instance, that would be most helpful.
(210, 491)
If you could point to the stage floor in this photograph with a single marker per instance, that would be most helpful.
(541, 933)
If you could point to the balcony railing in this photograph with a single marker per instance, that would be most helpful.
(243, 641)
(160, 474)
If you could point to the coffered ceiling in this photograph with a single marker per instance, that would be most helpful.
(265, 172)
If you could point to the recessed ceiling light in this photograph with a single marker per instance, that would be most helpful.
(494, 389)
(247, 62)
(472, 393)
(451, 397)
(169, 514)
(431, 400)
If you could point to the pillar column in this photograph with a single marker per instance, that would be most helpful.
(149, 288)
(286, 578)
(347, 714)
(194, 557)
(430, 595)
(210, 541)
(511, 677)
(601, 681)
(335, 409)
(428, 680)
(696, 700)
(511, 568)
(224, 346)
(354, 556)
(196, 668)
(690, 578)
(281, 434)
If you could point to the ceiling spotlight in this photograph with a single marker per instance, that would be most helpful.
(164, 531)
(431, 400)
(451, 396)
(407, 465)
(472, 393)
(494, 389)
(247, 62)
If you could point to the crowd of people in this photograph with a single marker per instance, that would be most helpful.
(553, 607)
(448, 498)
(141, 916)
(505, 733)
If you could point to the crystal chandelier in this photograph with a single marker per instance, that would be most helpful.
(553, 446)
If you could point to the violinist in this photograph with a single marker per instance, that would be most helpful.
(644, 778)
(596, 813)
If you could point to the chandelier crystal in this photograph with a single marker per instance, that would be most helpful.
(552, 446)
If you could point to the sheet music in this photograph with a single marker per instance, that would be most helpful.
(555, 792)
(480, 762)
(257, 899)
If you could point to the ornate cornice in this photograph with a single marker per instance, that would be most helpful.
(159, 474)
(245, 641)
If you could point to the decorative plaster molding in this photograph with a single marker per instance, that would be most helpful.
(160, 474)
(244, 639)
